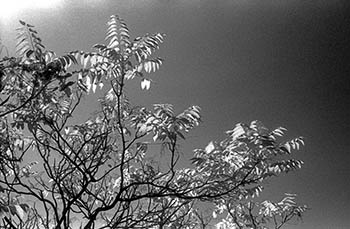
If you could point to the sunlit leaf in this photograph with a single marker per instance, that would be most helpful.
(145, 84)
(19, 211)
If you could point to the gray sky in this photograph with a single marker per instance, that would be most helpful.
(284, 62)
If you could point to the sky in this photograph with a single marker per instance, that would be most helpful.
(283, 62)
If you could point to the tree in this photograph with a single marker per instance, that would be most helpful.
(57, 173)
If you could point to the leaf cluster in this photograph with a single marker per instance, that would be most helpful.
(105, 172)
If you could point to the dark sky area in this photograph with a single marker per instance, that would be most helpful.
(283, 62)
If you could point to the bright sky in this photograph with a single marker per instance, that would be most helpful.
(240, 60)
(11, 8)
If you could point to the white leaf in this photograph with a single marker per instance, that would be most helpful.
(85, 59)
(148, 67)
(45, 193)
(116, 182)
(237, 131)
(155, 137)
(110, 95)
(88, 83)
(139, 68)
(145, 84)
(129, 74)
(66, 130)
(287, 146)
(19, 211)
(210, 147)
(93, 60)
(94, 86)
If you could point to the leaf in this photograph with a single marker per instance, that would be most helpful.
(88, 83)
(99, 46)
(85, 60)
(210, 147)
(198, 161)
(147, 66)
(129, 74)
(19, 211)
(66, 85)
(145, 84)
(139, 67)
(45, 193)
(13, 209)
(237, 131)
(143, 47)
(155, 137)
(94, 86)
(287, 147)
(32, 127)
(116, 183)
(27, 39)
(117, 34)
(22, 22)
(29, 53)
(82, 86)
(181, 135)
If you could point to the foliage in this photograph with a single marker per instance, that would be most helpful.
(259, 215)
(60, 173)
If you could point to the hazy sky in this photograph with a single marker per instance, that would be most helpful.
(284, 62)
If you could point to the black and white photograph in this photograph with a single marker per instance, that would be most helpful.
(174, 114)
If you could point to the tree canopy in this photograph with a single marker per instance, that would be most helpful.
(100, 173)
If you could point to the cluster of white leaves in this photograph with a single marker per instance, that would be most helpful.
(120, 58)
